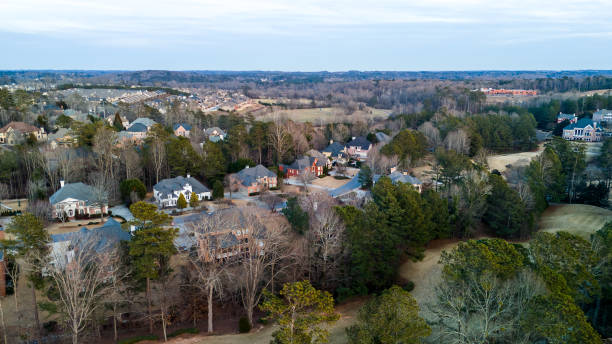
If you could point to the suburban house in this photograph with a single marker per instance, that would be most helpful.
(124, 121)
(61, 138)
(567, 117)
(583, 130)
(602, 115)
(303, 164)
(77, 199)
(102, 238)
(182, 129)
(146, 122)
(15, 132)
(322, 157)
(253, 179)
(403, 177)
(168, 191)
(223, 243)
(135, 134)
(358, 148)
(215, 134)
(335, 151)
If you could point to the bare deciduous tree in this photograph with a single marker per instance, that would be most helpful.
(431, 133)
(80, 276)
(105, 150)
(457, 140)
(279, 139)
(255, 271)
(158, 157)
(306, 177)
(131, 162)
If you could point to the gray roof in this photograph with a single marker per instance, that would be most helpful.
(602, 112)
(249, 175)
(304, 163)
(184, 125)
(147, 122)
(399, 177)
(566, 115)
(334, 148)
(210, 131)
(61, 132)
(105, 236)
(137, 128)
(79, 191)
(360, 142)
(583, 122)
(382, 137)
(168, 186)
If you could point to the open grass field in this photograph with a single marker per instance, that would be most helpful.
(500, 161)
(16, 204)
(330, 182)
(327, 115)
(579, 219)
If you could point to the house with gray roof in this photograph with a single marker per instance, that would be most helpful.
(215, 134)
(402, 177)
(602, 115)
(78, 199)
(335, 151)
(302, 165)
(167, 192)
(584, 130)
(253, 179)
(570, 117)
(147, 122)
(358, 148)
(182, 129)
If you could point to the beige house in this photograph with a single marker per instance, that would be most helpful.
(16, 132)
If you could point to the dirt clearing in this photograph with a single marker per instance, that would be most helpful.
(330, 182)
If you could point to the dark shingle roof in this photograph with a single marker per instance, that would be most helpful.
(184, 125)
(105, 236)
(137, 128)
(335, 148)
(147, 122)
(360, 142)
(304, 163)
(583, 122)
(249, 175)
(79, 191)
(168, 186)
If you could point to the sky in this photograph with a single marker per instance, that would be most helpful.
(306, 35)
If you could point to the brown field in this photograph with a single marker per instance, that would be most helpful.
(579, 219)
(73, 226)
(16, 204)
(327, 115)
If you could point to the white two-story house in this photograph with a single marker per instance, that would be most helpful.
(76, 200)
(168, 191)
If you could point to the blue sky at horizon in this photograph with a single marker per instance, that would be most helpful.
(305, 35)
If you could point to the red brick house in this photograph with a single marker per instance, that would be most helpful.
(253, 179)
(305, 163)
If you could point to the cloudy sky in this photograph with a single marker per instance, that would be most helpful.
(305, 35)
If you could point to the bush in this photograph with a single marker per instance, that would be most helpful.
(243, 325)
(191, 330)
(409, 286)
(341, 177)
(254, 193)
(50, 326)
(138, 339)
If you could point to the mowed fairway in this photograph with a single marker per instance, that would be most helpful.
(579, 219)
(327, 115)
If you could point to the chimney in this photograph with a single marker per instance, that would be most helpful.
(353, 137)
(331, 141)
(188, 175)
(61, 184)
(247, 166)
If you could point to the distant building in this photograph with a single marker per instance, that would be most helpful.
(168, 191)
(146, 122)
(602, 115)
(253, 179)
(567, 117)
(584, 129)
(302, 165)
(182, 129)
(16, 132)
(77, 199)
(502, 91)
(215, 134)
(124, 121)
(61, 138)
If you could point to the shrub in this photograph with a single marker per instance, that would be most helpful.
(409, 286)
(138, 339)
(50, 326)
(217, 190)
(191, 330)
(243, 325)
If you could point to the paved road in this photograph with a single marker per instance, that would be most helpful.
(352, 185)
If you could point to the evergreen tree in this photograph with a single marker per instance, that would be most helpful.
(296, 216)
(117, 123)
(365, 177)
(218, 192)
(194, 200)
(181, 203)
